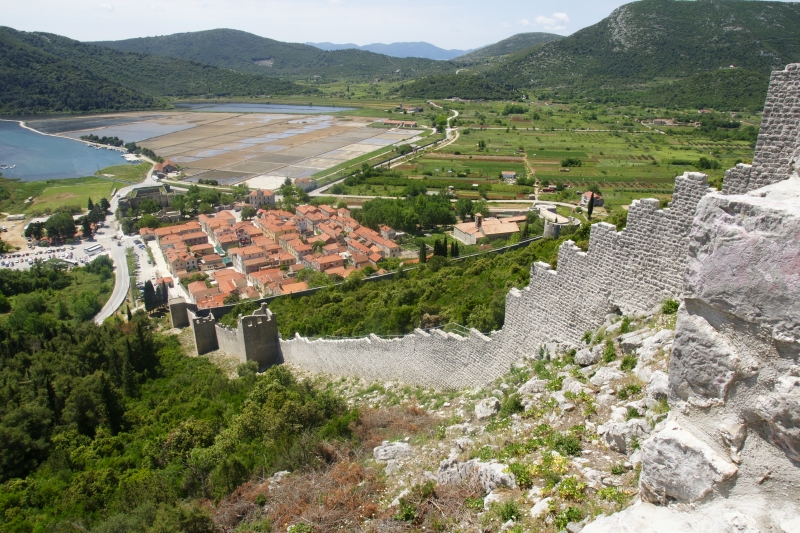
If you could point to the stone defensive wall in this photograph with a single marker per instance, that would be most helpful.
(627, 272)
(631, 271)
(777, 153)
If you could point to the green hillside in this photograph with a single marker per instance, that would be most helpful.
(34, 81)
(513, 44)
(43, 72)
(245, 52)
(644, 45)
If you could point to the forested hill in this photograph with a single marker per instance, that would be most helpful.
(43, 72)
(513, 44)
(651, 42)
(667, 38)
(34, 81)
(245, 52)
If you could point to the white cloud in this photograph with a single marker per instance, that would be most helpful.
(555, 23)
(505, 25)
(524, 22)
(109, 7)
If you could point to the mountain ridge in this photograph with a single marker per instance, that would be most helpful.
(509, 45)
(246, 52)
(420, 49)
(43, 72)
(642, 47)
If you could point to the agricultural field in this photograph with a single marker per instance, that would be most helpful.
(574, 147)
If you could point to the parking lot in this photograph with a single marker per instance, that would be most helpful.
(75, 255)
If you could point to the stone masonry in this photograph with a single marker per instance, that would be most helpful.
(630, 271)
(625, 272)
(777, 153)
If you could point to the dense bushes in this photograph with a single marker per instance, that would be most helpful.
(471, 293)
(113, 428)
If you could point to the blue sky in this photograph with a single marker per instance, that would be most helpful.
(446, 23)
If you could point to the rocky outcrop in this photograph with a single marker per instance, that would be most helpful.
(731, 445)
(487, 408)
(677, 466)
(491, 475)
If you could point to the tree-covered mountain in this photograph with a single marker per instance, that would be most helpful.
(245, 52)
(416, 49)
(513, 44)
(43, 72)
(34, 81)
(644, 45)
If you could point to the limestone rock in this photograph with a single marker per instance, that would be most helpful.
(540, 508)
(392, 451)
(492, 497)
(630, 342)
(676, 465)
(733, 435)
(532, 386)
(588, 356)
(658, 386)
(463, 443)
(620, 435)
(703, 364)
(487, 408)
(606, 375)
(460, 429)
(490, 475)
(777, 416)
(651, 345)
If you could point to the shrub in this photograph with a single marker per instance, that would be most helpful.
(567, 444)
(571, 162)
(629, 362)
(571, 489)
(632, 413)
(625, 327)
(523, 474)
(570, 514)
(508, 510)
(661, 407)
(618, 469)
(628, 390)
(554, 384)
(609, 352)
(670, 307)
(512, 404)
(612, 494)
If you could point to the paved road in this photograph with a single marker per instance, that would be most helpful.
(105, 237)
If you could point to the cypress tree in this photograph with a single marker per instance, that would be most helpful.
(90, 204)
(149, 296)
(423, 253)
(590, 207)
(130, 316)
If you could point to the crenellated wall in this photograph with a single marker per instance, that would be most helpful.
(777, 153)
(625, 272)
(630, 271)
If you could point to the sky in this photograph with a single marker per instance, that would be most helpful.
(462, 24)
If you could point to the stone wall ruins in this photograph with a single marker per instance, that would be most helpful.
(777, 153)
(729, 452)
(629, 271)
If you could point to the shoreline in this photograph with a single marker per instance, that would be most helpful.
(23, 125)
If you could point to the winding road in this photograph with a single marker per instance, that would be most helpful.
(105, 237)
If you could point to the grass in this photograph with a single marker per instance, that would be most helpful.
(128, 173)
(57, 196)
(50, 195)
